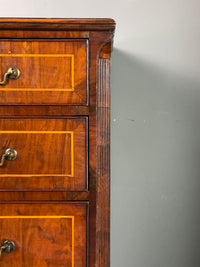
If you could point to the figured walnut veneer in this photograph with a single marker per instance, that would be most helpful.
(55, 197)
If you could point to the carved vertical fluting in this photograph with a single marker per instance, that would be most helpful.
(103, 164)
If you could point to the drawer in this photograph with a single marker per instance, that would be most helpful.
(44, 234)
(51, 72)
(51, 154)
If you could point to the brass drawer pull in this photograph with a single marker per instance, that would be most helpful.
(9, 154)
(7, 246)
(11, 73)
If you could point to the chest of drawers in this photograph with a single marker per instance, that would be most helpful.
(55, 142)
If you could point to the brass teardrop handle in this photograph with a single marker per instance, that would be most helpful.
(7, 246)
(11, 73)
(9, 154)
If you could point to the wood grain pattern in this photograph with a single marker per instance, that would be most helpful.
(44, 234)
(52, 154)
(18, 111)
(98, 42)
(46, 34)
(93, 248)
(103, 161)
(52, 72)
(58, 24)
(19, 196)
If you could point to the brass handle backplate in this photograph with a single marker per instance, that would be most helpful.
(11, 73)
(7, 246)
(9, 154)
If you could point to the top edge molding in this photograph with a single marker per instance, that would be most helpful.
(91, 24)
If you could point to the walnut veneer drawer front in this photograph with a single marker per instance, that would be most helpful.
(44, 234)
(51, 72)
(51, 154)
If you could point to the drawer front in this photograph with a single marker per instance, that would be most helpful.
(51, 154)
(51, 72)
(44, 234)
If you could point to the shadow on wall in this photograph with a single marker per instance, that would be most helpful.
(155, 159)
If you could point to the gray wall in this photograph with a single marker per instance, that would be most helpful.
(155, 124)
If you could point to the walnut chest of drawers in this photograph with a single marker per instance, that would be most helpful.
(55, 142)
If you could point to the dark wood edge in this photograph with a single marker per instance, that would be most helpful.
(71, 202)
(94, 24)
(45, 111)
(43, 196)
(103, 155)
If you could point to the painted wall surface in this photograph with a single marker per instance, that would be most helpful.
(155, 124)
